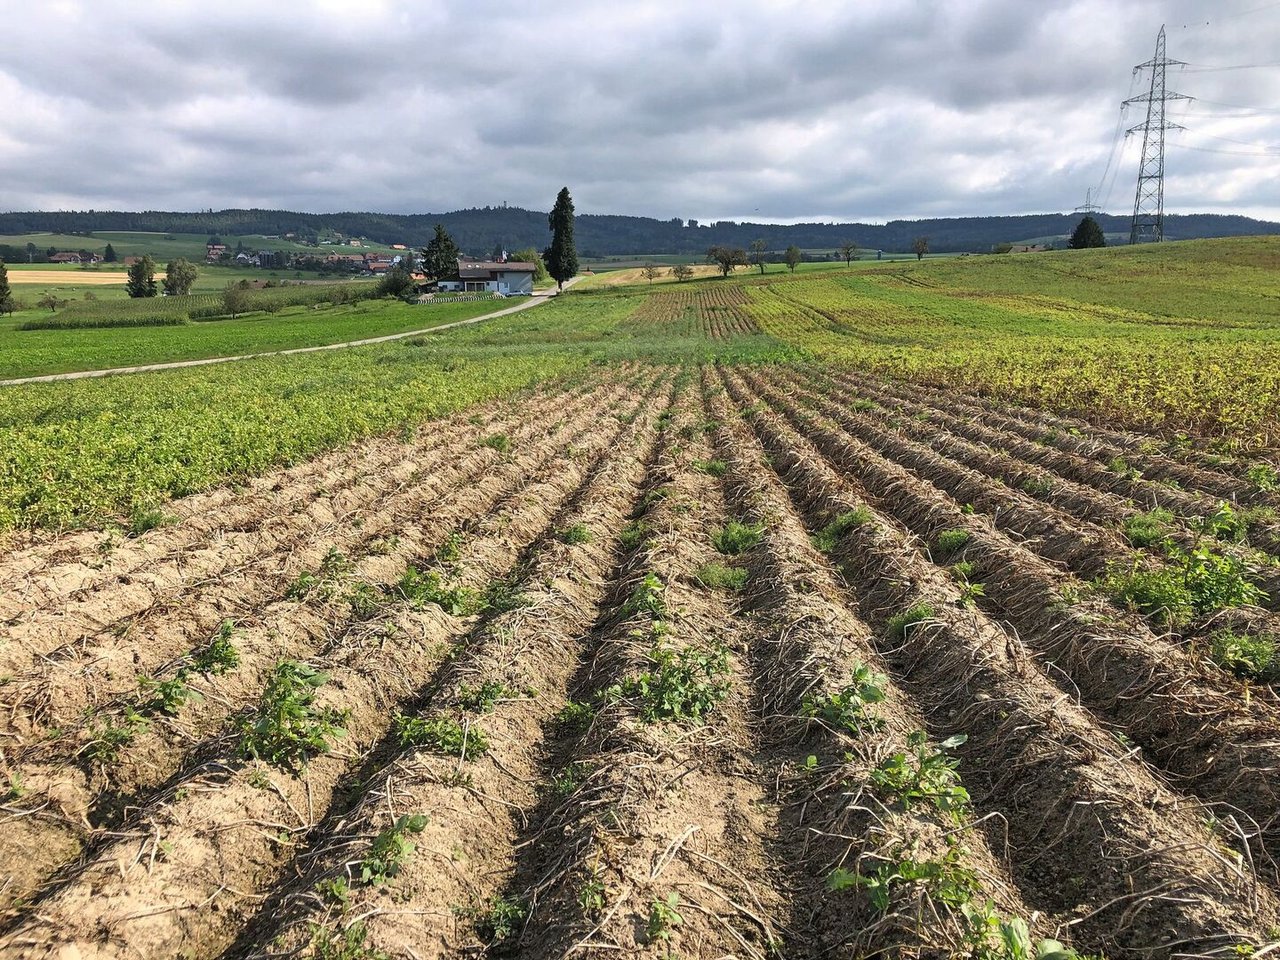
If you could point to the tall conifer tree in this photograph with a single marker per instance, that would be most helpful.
(562, 256)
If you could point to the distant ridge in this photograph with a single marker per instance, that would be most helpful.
(479, 230)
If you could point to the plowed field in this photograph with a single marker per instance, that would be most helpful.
(696, 661)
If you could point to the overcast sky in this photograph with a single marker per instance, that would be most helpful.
(783, 111)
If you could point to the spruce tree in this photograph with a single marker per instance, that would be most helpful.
(440, 256)
(109, 255)
(562, 255)
(1087, 234)
(6, 294)
(142, 278)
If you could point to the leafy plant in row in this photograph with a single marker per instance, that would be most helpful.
(684, 685)
(288, 728)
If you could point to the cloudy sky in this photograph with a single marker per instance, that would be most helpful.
(747, 110)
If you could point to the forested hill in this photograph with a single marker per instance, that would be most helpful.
(480, 230)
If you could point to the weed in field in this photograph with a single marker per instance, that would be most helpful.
(147, 518)
(335, 891)
(654, 496)
(15, 790)
(334, 564)
(714, 468)
(924, 776)
(449, 553)
(570, 778)
(946, 880)
(1263, 476)
(962, 572)
(501, 596)
(576, 715)
(442, 734)
(381, 546)
(949, 541)
(347, 944)
(719, 576)
(1038, 486)
(424, 588)
(1196, 582)
(970, 594)
(863, 404)
(106, 741)
(573, 536)
(898, 625)
(646, 597)
(679, 686)
(735, 538)
(482, 699)
(634, 534)
(591, 896)
(848, 709)
(390, 849)
(829, 536)
(221, 655)
(1150, 529)
(664, 917)
(1121, 467)
(498, 441)
(363, 600)
(499, 919)
(1248, 656)
(287, 728)
(166, 696)
(302, 585)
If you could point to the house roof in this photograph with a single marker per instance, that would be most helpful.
(475, 269)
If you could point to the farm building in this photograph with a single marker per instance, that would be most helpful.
(490, 276)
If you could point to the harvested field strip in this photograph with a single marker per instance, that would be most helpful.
(58, 690)
(368, 677)
(52, 571)
(1194, 723)
(1086, 548)
(286, 629)
(258, 562)
(1159, 460)
(1160, 882)
(716, 313)
(836, 719)
(506, 685)
(661, 840)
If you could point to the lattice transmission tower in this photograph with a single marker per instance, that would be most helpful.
(1148, 204)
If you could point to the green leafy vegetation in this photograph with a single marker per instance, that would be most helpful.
(346, 944)
(850, 708)
(735, 538)
(949, 541)
(1150, 529)
(898, 625)
(924, 775)
(1251, 656)
(715, 468)
(442, 734)
(1195, 582)
(421, 589)
(646, 597)
(683, 685)
(719, 576)
(829, 537)
(390, 849)
(664, 917)
(287, 728)
(573, 536)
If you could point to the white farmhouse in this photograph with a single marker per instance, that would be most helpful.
(511, 277)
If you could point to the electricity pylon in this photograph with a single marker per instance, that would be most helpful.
(1148, 204)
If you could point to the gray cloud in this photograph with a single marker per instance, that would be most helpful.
(765, 110)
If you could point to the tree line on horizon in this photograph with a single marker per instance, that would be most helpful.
(604, 235)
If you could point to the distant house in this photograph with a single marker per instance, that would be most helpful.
(511, 277)
(66, 258)
(213, 252)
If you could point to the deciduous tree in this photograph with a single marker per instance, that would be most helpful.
(235, 298)
(848, 250)
(920, 246)
(142, 278)
(727, 258)
(440, 255)
(682, 272)
(179, 277)
(1087, 234)
(793, 257)
(562, 255)
(757, 254)
(52, 301)
(651, 272)
(6, 292)
(530, 255)
(31, 252)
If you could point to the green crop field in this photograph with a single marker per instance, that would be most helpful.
(165, 246)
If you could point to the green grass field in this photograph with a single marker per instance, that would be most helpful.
(1179, 339)
(164, 246)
